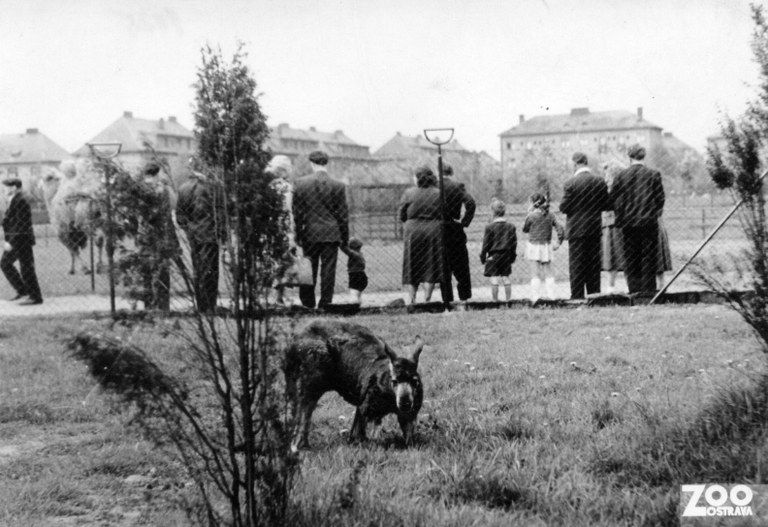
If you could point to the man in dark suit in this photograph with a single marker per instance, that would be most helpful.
(200, 212)
(19, 239)
(456, 254)
(321, 217)
(638, 200)
(585, 196)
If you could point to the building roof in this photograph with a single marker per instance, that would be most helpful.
(296, 141)
(132, 132)
(29, 147)
(405, 146)
(283, 130)
(581, 120)
(672, 142)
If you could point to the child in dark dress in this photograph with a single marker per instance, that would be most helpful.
(358, 279)
(499, 250)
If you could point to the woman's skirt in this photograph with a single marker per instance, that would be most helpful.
(612, 249)
(664, 261)
(422, 252)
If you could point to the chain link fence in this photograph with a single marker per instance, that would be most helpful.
(374, 218)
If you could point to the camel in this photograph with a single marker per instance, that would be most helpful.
(71, 195)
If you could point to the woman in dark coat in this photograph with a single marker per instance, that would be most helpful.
(422, 235)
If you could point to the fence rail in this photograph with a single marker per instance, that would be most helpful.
(687, 221)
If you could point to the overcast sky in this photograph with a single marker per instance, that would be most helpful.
(373, 68)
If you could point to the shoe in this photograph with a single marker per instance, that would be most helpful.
(17, 297)
(31, 302)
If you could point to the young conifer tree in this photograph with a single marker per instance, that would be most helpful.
(220, 406)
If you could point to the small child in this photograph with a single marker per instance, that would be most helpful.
(539, 224)
(499, 250)
(358, 280)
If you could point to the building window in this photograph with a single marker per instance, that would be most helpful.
(602, 147)
(13, 172)
(34, 170)
(509, 145)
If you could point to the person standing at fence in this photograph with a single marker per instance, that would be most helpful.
(19, 240)
(638, 201)
(200, 212)
(611, 238)
(499, 250)
(321, 216)
(156, 240)
(358, 279)
(422, 235)
(585, 196)
(457, 256)
(280, 167)
(538, 225)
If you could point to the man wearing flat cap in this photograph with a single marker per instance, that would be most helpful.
(321, 218)
(585, 196)
(638, 200)
(19, 239)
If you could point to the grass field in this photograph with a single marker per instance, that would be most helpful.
(531, 417)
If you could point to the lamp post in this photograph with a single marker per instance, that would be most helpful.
(105, 153)
(437, 136)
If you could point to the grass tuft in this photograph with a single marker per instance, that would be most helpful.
(31, 413)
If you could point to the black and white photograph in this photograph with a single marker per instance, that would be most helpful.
(354, 263)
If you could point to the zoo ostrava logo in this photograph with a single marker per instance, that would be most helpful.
(717, 500)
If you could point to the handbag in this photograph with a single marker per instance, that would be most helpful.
(304, 271)
(298, 273)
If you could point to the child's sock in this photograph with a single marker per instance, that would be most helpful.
(535, 286)
(495, 292)
(550, 284)
(508, 292)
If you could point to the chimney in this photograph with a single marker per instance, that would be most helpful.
(639, 113)
(312, 129)
(31, 131)
(667, 134)
(129, 115)
(282, 125)
(171, 118)
(522, 119)
(579, 111)
(161, 124)
(338, 134)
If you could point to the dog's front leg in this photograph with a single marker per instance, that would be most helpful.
(408, 426)
(357, 432)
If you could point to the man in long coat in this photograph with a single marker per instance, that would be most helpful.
(638, 200)
(585, 196)
(19, 240)
(321, 216)
(200, 212)
(456, 254)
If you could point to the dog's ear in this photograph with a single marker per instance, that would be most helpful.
(389, 351)
(418, 345)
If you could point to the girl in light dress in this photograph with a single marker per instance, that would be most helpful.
(539, 225)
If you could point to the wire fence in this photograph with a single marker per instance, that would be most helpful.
(375, 218)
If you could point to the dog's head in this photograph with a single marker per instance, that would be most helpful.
(405, 378)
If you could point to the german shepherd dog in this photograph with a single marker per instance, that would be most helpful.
(350, 360)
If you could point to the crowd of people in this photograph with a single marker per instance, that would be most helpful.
(613, 224)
